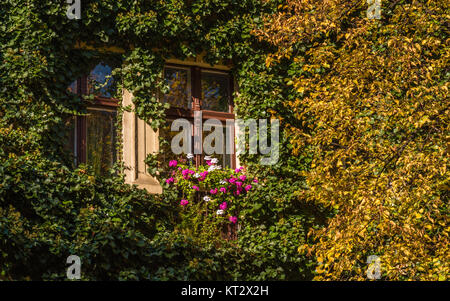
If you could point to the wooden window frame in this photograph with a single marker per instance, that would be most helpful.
(100, 103)
(196, 103)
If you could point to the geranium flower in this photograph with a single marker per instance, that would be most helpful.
(223, 206)
(233, 219)
(173, 163)
(170, 180)
(220, 212)
(206, 198)
(186, 173)
(248, 187)
(184, 202)
(243, 178)
(255, 181)
(214, 167)
(213, 191)
(203, 175)
(195, 188)
(223, 189)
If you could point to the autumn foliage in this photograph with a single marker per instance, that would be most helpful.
(373, 109)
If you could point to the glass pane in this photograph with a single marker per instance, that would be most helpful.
(100, 140)
(179, 82)
(215, 91)
(165, 152)
(100, 81)
(224, 158)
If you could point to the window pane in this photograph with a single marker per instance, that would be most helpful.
(215, 91)
(179, 82)
(225, 159)
(100, 81)
(100, 140)
(165, 152)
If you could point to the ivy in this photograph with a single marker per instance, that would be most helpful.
(50, 210)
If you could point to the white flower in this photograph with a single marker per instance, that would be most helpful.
(189, 156)
(223, 182)
(206, 198)
(214, 161)
(214, 167)
(196, 175)
(220, 212)
(207, 158)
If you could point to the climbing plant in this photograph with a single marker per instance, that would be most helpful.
(371, 108)
(50, 209)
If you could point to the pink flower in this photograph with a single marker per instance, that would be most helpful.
(209, 163)
(233, 219)
(184, 202)
(239, 184)
(232, 180)
(173, 163)
(186, 173)
(170, 180)
(242, 177)
(213, 191)
(195, 187)
(237, 170)
(248, 187)
(223, 206)
(255, 181)
(223, 189)
(203, 175)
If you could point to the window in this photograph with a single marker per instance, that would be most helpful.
(93, 137)
(192, 89)
(179, 81)
(215, 91)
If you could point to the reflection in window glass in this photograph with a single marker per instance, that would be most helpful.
(100, 81)
(224, 158)
(165, 152)
(179, 81)
(215, 91)
(100, 140)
